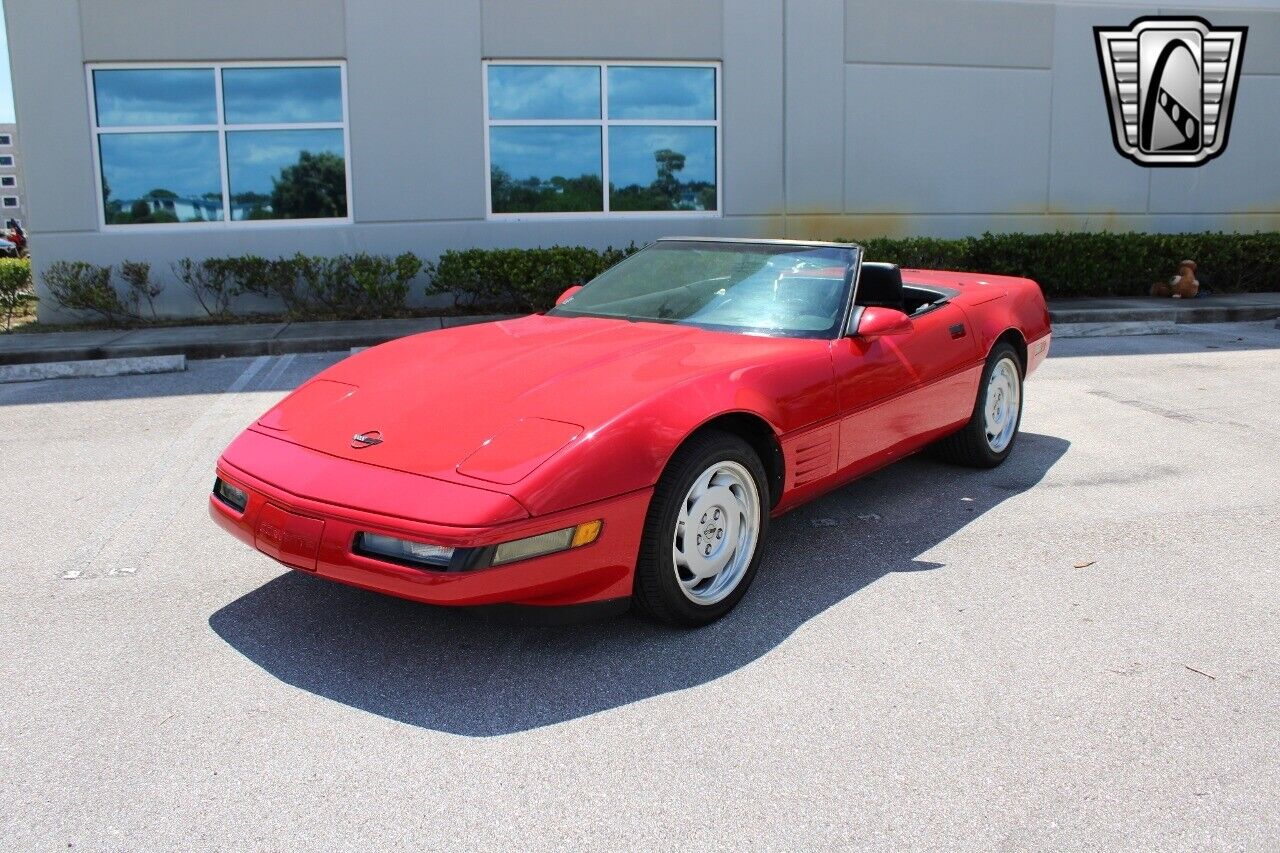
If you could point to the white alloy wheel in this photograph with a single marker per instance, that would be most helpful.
(1002, 404)
(717, 530)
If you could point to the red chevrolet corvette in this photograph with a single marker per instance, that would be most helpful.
(629, 446)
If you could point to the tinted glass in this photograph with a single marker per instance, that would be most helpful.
(6, 160)
(282, 95)
(795, 291)
(545, 169)
(544, 91)
(662, 168)
(287, 174)
(155, 96)
(662, 92)
(160, 177)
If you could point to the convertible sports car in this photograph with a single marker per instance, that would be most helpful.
(629, 446)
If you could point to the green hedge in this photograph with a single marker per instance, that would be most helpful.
(1100, 264)
(306, 286)
(520, 280)
(517, 279)
(1065, 264)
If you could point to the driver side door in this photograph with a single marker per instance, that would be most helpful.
(898, 392)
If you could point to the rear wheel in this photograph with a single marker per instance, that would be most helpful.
(987, 439)
(702, 537)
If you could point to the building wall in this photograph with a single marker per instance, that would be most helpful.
(840, 118)
(12, 175)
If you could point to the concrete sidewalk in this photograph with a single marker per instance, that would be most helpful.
(1075, 317)
(250, 339)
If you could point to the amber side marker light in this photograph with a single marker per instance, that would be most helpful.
(548, 543)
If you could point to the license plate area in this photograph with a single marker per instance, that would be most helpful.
(288, 537)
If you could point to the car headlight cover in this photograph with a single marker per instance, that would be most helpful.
(404, 551)
(548, 543)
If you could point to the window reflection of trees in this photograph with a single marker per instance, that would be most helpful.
(583, 193)
(313, 187)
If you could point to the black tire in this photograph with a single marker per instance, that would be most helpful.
(969, 446)
(657, 593)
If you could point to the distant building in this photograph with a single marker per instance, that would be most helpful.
(13, 190)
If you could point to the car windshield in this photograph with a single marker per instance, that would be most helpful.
(756, 288)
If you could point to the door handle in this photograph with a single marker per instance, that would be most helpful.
(957, 331)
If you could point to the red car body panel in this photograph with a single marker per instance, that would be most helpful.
(499, 431)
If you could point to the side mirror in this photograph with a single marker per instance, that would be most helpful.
(568, 294)
(877, 322)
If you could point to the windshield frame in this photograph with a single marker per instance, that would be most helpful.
(835, 332)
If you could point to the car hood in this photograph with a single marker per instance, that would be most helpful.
(489, 403)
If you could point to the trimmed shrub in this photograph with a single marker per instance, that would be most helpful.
(209, 281)
(137, 278)
(919, 252)
(272, 279)
(15, 288)
(81, 286)
(357, 285)
(517, 279)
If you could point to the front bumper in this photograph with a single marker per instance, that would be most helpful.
(318, 537)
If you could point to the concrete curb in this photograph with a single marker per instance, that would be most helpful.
(1103, 330)
(201, 342)
(1206, 314)
(92, 368)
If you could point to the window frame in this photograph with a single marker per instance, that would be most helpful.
(6, 140)
(8, 181)
(12, 164)
(17, 202)
(221, 128)
(604, 123)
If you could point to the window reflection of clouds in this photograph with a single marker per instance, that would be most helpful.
(255, 157)
(546, 152)
(544, 91)
(185, 164)
(170, 96)
(282, 95)
(661, 92)
(631, 150)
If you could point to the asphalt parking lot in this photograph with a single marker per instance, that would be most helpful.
(1080, 649)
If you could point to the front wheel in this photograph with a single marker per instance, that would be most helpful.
(987, 439)
(703, 535)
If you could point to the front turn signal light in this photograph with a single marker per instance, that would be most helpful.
(548, 543)
(585, 534)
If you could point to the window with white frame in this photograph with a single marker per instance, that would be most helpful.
(6, 160)
(11, 201)
(6, 139)
(8, 181)
(221, 142)
(572, 137)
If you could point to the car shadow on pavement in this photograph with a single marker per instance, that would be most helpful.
(451, 671)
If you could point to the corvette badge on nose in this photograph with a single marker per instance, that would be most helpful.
(366, 439)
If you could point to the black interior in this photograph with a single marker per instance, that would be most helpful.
(917, 299)
(880, 286)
